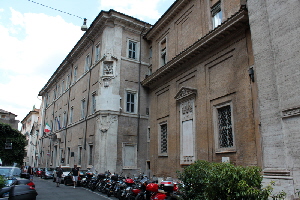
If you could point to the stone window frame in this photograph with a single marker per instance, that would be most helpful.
(135, 103)
(71, 115)
(160, 153)
(75, 74)
(87, 62)
(137, 48)
(218, 149)
(124, 144)
(97, 51)
(79, 155)
(90, 153)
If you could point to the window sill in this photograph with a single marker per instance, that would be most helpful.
(225, 151)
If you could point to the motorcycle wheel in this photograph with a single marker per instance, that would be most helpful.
(139, 197)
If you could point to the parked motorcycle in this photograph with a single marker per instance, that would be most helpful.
(152, 191)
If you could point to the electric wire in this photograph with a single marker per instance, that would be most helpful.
(55, 9)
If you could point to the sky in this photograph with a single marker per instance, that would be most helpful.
(36, 36)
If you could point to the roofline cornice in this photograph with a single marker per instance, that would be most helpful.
(104, 18)
(228, 27)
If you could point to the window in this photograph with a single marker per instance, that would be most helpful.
(93, 103)
(87, 62)
(46, 100)
(62, 86)
(54, 125)
(163, 52)
(150, 52)
(58, 123)
(75, 75)
(54, 94)
(71, 115)
(68, 81)
(132, 49)
(91, 155)
(130, 102)
(129, 155)
(216, 14)
(97, 52)
(224, 128)
(58, 90)
(82, 108)
(65, 119)
(79, 155)
(163, 139)
(187, 133)
(69, 154)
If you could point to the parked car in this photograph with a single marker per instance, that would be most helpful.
(8, 171)
(66, 171)
(17, 188)
(18, 192)
(38, 172)
(47, 173)
(69, 181)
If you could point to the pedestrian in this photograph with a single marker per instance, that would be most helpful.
(59, 173)
(75, 172)
(30, 172)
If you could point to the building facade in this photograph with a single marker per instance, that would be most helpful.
(94, 104)
(275, 29)
(9, 118)
(202, 99)
(30, 128)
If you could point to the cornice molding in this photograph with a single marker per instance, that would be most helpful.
(185, 93)
(232, 25)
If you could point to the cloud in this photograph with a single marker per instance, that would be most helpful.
(32, 47)
(141, 9)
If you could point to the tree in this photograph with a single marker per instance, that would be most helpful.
(12, 145)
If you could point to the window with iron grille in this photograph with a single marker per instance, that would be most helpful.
(225, 127)
(163, 139)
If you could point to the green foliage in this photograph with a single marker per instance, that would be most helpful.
(269, 189)
(16, 154)
(214, 181)
(2, 182)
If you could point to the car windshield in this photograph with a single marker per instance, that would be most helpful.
(10, 171)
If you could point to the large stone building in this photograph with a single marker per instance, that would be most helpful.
(94, 103)
(221, 84)
(275, 28)
(30, 128)
(202, 99)
(9, 118)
